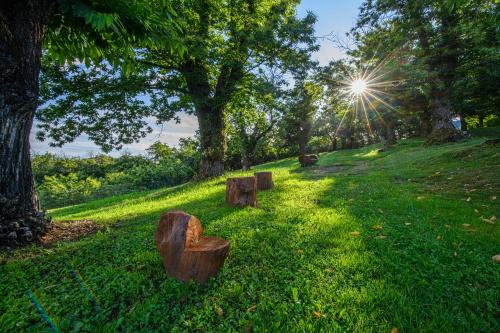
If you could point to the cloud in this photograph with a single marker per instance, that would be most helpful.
(168, 133)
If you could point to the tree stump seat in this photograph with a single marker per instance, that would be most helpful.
(241, 191)
(264, 180)
(307, 160)
(186, 253)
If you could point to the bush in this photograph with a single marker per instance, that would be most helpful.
(67, 189)
(64, 181)
(319, 144)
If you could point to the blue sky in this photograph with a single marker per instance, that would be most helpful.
(334, 16)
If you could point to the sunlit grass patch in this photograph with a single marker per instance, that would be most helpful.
(385, 241)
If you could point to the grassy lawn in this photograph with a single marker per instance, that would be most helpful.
(363, 242)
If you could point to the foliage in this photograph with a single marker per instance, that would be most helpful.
(365, 242)
(251, 119)
(63, 181)
(304, 104)
(437, 51)
(224, 42)
(92, 31)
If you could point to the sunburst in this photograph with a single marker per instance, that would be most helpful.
(367, 90)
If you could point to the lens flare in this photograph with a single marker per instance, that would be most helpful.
(358, 87)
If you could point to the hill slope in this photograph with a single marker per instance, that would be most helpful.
(363, 242)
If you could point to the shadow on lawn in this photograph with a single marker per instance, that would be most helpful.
(419, 253)
(289, 262)
(120, 270)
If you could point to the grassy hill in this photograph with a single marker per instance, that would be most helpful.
(363, 242)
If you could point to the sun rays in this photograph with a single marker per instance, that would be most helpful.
(368, 93)
(368, 89)
(358, 87)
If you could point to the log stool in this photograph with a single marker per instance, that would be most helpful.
(241, 191)
(307, 160)
(186, 253)
(264, 180)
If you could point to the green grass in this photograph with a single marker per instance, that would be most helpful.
(295, 262)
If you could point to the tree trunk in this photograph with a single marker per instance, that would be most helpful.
(22, 27)
(343, 142)
(334, 143)
(442, 125)
(304, 135)
(463, 123)
(444, 62)
(246, 162)
(213, 142)
(390, 136)
(425, 123)
(481, 121)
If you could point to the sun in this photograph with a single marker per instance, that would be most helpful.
(358, 87)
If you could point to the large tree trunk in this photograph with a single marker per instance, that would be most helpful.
(213, 142)
(444, 62)
(304, 135)
(246, 162)
(425, 124)
(463, 123)
(343, 142)
(333, 139)
(22, 27)
(390, 136)
(480, 120)
(442, 125)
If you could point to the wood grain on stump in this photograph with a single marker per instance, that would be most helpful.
(241, 191)
(307, 160)
(264, 180)
(186, 253)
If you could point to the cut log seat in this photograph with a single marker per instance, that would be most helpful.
(264, 180)
(307, 160)
(186, 253)
(241, 191)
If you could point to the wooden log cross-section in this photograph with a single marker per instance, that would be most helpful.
(186, 253)
(264, 180)
(307, 160)
(241, 191)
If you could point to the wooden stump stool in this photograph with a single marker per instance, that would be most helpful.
(307, 160)
(186, 253)
(264, 180)
(241, 191)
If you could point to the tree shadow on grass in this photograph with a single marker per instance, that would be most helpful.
(121, 271)
(419, 257)
(307, 259)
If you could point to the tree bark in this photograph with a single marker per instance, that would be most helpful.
(304, 135)
(343, 142)
(213, 142)
(246, 162)
(333, 139)
(390, 137)
(442, 125)
(463, 123)
(425, 123)
(440, 104)
(22, 27)
(481, 121)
